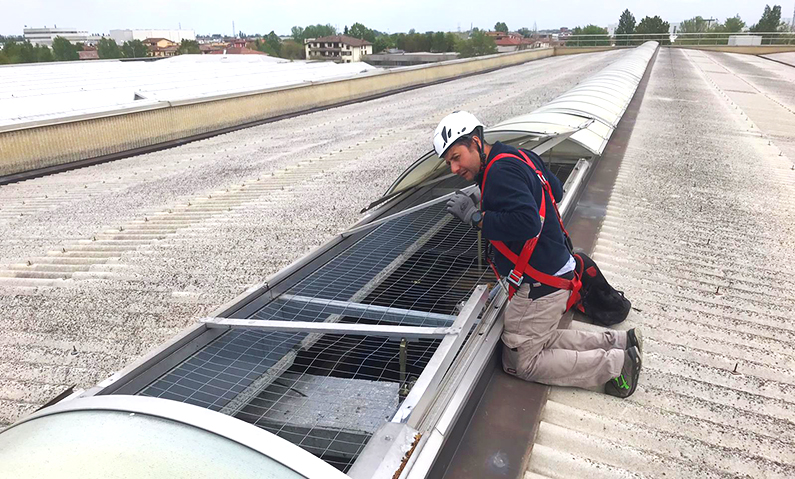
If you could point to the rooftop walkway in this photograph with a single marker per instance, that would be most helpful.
(699, 232)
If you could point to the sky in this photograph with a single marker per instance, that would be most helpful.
(262, 16)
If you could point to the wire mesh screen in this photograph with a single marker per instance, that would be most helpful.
(337, 393)
(326, 393)
(414, 270)
(329, 393)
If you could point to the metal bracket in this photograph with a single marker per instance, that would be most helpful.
(369, 311)
(389, 331)
(424, 390)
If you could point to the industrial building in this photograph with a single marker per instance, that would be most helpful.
(176, 36)
(44, 36)
(327, 318)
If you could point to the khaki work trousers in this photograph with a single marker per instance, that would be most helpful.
(536, 350)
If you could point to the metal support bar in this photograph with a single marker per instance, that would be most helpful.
(407, 211)
(423, 393)
(333, 328)
(573, 183)
(369, 311)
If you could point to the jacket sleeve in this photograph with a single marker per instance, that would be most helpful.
(510, 209)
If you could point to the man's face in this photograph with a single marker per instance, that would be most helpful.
(463, 161)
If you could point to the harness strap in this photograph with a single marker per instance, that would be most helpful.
(521, 261)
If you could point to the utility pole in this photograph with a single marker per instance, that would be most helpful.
(234, 32)
(709, 21)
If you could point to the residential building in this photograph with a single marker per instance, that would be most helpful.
(45, 36)
(513, 44)
(161, 47)
(502, 35)
(175, 36)
(338, 48)
(158, 42)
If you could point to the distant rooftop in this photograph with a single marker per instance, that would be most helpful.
(354, 42)
(47, 91)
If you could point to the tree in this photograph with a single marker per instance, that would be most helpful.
(653, 24)
(626, 23)
(770, 21)
(381, 43)
(274, 42)
(297, 34)
(189, 47)
(292, 50)
(63, 50)
(478, 44)
(345, 32)
(601, 38)
(107, 48)
(358, 30)
(451, 41)
(134, 49)
(525, 32)
(43, 54)
(317, 31)
(693, 25)
(438, 44)
(733, 24)
(626, 26)
(501, 27)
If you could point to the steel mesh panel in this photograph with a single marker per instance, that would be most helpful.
(358, 271)
(414, 270)
(220, 371)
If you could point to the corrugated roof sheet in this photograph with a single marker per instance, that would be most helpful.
(698, 233)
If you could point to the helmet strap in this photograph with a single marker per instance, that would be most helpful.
(479, 144)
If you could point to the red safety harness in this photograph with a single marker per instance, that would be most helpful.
(521, 264)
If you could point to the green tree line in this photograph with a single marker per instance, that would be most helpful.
(714, 32)
(62, 50)
(478, 43)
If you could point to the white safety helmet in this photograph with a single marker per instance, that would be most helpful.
(451, 128)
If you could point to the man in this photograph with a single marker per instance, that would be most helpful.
(518, 214)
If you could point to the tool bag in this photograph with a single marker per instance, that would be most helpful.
(598, 300)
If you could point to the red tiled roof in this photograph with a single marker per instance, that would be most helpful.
(88, 55)
(237, 51)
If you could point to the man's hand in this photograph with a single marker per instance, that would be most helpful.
(463, 206)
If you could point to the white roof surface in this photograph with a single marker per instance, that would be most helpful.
(61, 90)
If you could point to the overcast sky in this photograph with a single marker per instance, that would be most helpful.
(262, 16)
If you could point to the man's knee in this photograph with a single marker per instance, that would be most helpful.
(515, 363)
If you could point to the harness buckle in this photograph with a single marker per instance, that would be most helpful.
(514, 279)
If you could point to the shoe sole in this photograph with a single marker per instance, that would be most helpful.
(637, 361)
(638, 342)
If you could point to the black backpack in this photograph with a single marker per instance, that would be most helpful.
(598, 300)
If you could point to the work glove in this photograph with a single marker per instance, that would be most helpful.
(463, 206)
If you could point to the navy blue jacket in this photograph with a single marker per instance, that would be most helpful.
(510, 202)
